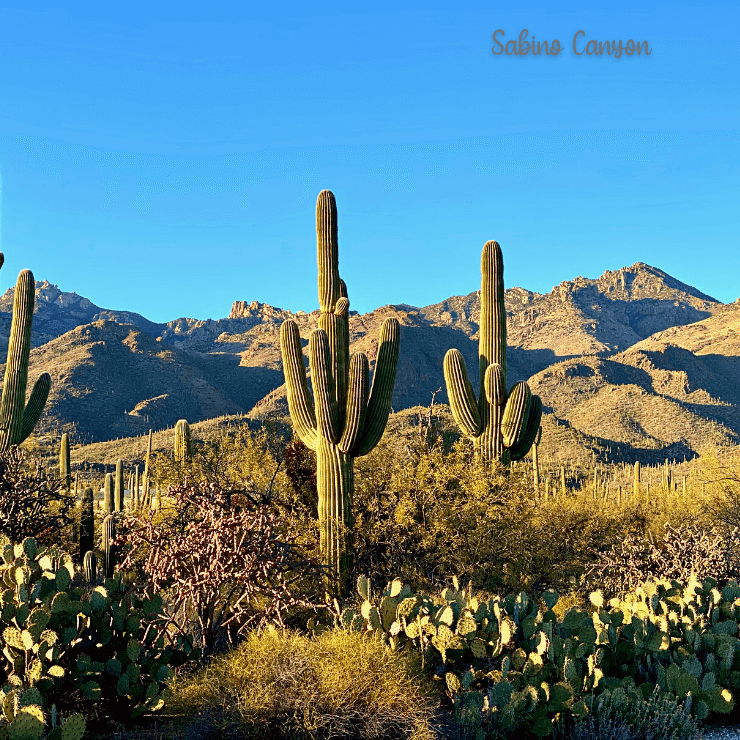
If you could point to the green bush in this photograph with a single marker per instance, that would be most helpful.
(623, 714)
(284, 685)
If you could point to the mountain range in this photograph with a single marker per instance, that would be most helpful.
(635, 363)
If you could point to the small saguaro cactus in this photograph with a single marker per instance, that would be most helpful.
(87, 522)
(108, 494)
(346, 416)
(18, 418)
(90, 566)
(119, 490)
(182, 441)
(109, 549)
(502, 426)
(64, 468)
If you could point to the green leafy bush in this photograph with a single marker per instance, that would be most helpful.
(97, 649)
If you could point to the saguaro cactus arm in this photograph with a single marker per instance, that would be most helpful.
(35, 405)
(463, 403)
(300, 403)
(381, 393)
(357, 395)
(15, 416)
(327, 412)
(531, 430)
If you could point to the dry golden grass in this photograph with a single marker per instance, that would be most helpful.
(282, 684)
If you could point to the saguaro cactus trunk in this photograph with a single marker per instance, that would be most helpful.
(503, 426)
(346, 416)
(18, 418)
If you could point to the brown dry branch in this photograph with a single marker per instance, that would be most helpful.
(683, 551)
(32, 504)
(226, 566)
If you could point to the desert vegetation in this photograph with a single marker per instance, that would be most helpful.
(344, 571)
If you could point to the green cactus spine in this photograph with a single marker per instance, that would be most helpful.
(87, 522)
(90, 565)
(182, 441)
(17, 419)
(108, 494)
(503, 427)
(109, 549)
(119, 491)
(347, 415)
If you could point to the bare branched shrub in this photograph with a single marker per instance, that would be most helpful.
(684, 550)
(32, 504)
(225, 563)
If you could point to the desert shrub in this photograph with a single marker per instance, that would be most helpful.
(684, 551)
(224, 563)
(96, 650)
(32, 504)
(284, 685)
(431, 514)
(623, 714)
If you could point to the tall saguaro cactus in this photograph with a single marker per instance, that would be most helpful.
(346, 416)
(18, 418)
(503, 426)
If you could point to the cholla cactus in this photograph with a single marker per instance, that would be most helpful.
(18, 418)
(346, 416)
(503, 426)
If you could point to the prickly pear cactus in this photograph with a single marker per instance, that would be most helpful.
(59, 640)
(502, 425)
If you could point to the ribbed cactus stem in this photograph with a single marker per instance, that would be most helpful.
(87, 522)
(145, 486)
(16, 418)
(109, 548)
(346, 416)
(108, 505)
(636, 481)
(182, 441)
(90, 566)
(64, 473)
(119, 490)
(503, 426)
(535, 467)
(135, 501)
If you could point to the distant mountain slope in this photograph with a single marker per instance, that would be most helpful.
(585, 316)
(675, 391)
(111, 380)
(617, 360)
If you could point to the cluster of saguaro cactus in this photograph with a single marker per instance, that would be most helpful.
(182, 441)
(346, 416)
(18, 418)
(503, 426)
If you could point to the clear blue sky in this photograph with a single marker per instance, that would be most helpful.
(165, 158)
